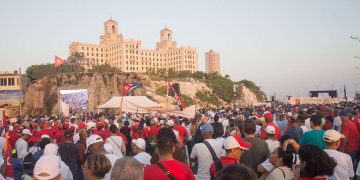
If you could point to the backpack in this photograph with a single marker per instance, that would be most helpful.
(28, 161)
(152, 142)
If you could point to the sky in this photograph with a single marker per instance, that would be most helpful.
(287, 47)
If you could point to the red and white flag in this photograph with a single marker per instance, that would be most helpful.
(179, 101)
(59, 62)
(9, 174)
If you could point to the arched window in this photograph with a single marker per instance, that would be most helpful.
(113, 29)
(169, 36)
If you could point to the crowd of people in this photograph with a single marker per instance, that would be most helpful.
(280, 142)
(78, 100)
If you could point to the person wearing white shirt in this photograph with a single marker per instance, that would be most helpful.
(76, 138)
(344, 167)
(116, 142)
(138, 148)
(21, 144)
(337, 123)
(201, 153)
(271, 142)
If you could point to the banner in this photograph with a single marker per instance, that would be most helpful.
(10, 97)
(179, 101)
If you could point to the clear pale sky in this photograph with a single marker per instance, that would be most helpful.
(287, 47)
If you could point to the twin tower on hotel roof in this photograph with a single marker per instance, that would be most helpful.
(111, 28)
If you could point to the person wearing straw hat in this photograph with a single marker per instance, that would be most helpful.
(344, 166)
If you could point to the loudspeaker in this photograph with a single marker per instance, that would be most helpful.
(176, 86)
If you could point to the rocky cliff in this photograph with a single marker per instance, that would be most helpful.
(42, 97)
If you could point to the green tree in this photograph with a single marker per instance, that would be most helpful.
(104, 68)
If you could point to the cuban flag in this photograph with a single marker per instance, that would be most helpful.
(129, 87)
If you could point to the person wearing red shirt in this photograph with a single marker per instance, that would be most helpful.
(167, 167)
(234, 147)
(269, 122)
(356, 121)
(59, 135)
(136, 132)
(181, 129)
(45, 130)
(13, 136)
(329, 123)
(350, 144)
(99, 130)
(151, 132)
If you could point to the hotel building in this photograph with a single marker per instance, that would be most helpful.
(129, 56)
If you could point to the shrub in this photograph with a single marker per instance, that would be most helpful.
(161, 91)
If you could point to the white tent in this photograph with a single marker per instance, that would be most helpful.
(140, 104)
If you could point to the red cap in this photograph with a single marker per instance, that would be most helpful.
(269, 116)
(72, 128)
(32, 139)
(82, 125)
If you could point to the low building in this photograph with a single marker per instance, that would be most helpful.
(12, 88)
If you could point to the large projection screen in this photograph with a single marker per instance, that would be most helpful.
(74, 100)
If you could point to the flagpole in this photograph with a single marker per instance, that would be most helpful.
(122, 97)
(167, 94)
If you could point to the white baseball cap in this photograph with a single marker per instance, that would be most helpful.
(232, 142)
(92, 140)
(270, 129)
(26, 132)
(51, 149)
(90, 125)
(332, 136)
(45, 136)
(170, 123)
(47, 167)
(140, 142)
(289, 114)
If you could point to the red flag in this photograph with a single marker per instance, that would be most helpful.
(179, 101)
(8, 159)
(4, 124)
(59, 62)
